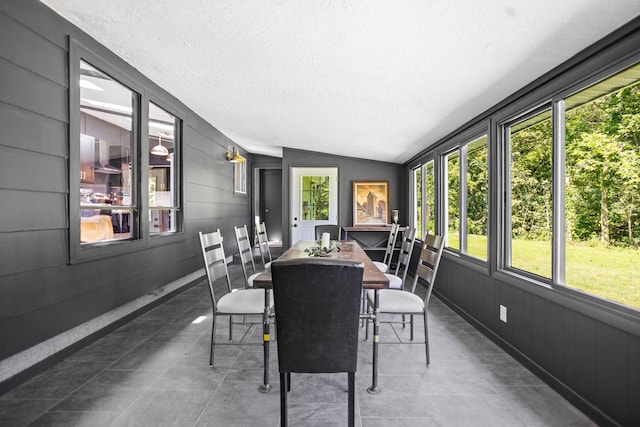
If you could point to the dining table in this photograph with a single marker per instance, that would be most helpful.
(372, 278)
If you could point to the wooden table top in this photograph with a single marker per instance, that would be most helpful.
(381, 227)
(372, 278)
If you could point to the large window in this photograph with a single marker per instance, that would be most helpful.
(424, 200)
(477, 193)
(107, 198)
(602, 187)
(467, 197)
(452, 215)
(529, 220)
(164, 197)
(125, 189)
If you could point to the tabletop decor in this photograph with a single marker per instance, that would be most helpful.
(318, 250)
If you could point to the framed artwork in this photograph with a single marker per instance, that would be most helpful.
(370, 203)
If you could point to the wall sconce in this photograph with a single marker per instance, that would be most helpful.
(235, 158)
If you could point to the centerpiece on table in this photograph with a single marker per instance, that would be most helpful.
(323, 247)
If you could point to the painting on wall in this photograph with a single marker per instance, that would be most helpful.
(370, 203)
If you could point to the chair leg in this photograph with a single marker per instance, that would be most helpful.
(230, 327)
(352, 399)
(288, 382)
(366, 331)
(426, 336)
(213, 340)
(283, 398)
(411, 325)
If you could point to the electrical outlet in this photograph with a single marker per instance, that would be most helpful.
(503, 313)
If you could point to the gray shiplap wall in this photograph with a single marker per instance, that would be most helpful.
(41, 293)
(586, 349)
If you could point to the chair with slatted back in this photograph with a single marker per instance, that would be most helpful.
(317, 303)
(395, 301)
(245, 253)
(235, 301)
(263, 244)
(385, 265)
(335, 231)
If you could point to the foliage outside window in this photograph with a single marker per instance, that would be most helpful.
(602, 187)
(530, 216)
(417, 200)
(452, 216)
(477, 190)
(315, 198)
(107, 198)
(163, 174)
(424, 200)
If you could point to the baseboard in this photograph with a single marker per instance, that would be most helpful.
(18, 368)
(564, 390)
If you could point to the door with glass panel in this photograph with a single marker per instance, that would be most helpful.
(314, 200)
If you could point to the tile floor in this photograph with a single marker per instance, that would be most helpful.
(154, 371)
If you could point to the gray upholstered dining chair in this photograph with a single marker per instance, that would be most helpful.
(317, 303)
(395, 301)
(334, 230)
(245, 253)
(385, 265)
(235, 301)
(263, 244)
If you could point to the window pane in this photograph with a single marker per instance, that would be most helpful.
(417, 198)
(429, 198)
(602, 207)
(106, 147)
(453, 211)
(477, 198)
(163, 179)
(240, 177)
(315, 198)
(530, 185)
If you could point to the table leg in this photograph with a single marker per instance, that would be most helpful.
(376, 338)
(266, 387)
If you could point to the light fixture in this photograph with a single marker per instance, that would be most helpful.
(236, 158)
(160, 150)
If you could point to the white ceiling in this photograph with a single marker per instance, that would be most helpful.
(364, 78)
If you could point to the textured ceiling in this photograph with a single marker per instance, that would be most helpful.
(364, 78)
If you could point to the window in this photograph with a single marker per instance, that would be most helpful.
(602, 189)
(529, 217)
(424, 200)
(240, 177)
(107, 201)
(315, 198)
(126, 189)
(477, 190)
(467, 197)
(452, 215)
(163, 175)
(417, 201)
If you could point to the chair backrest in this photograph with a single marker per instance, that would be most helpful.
(215, 263)
(404, 258)
(333, 230)
(245, 252)
(317, 304)
(391, 244)
(263, 243)
(428, 263)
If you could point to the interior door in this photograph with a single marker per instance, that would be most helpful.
(271, 203)
(314, 200)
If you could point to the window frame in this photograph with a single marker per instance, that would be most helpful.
(460, 144)
(119, 71)
(177, 165)
(240, 188)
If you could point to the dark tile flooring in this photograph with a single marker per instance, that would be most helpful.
(154, 371)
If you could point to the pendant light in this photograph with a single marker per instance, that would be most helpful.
(160, 150)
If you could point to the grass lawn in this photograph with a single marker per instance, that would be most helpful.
(607, 272)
